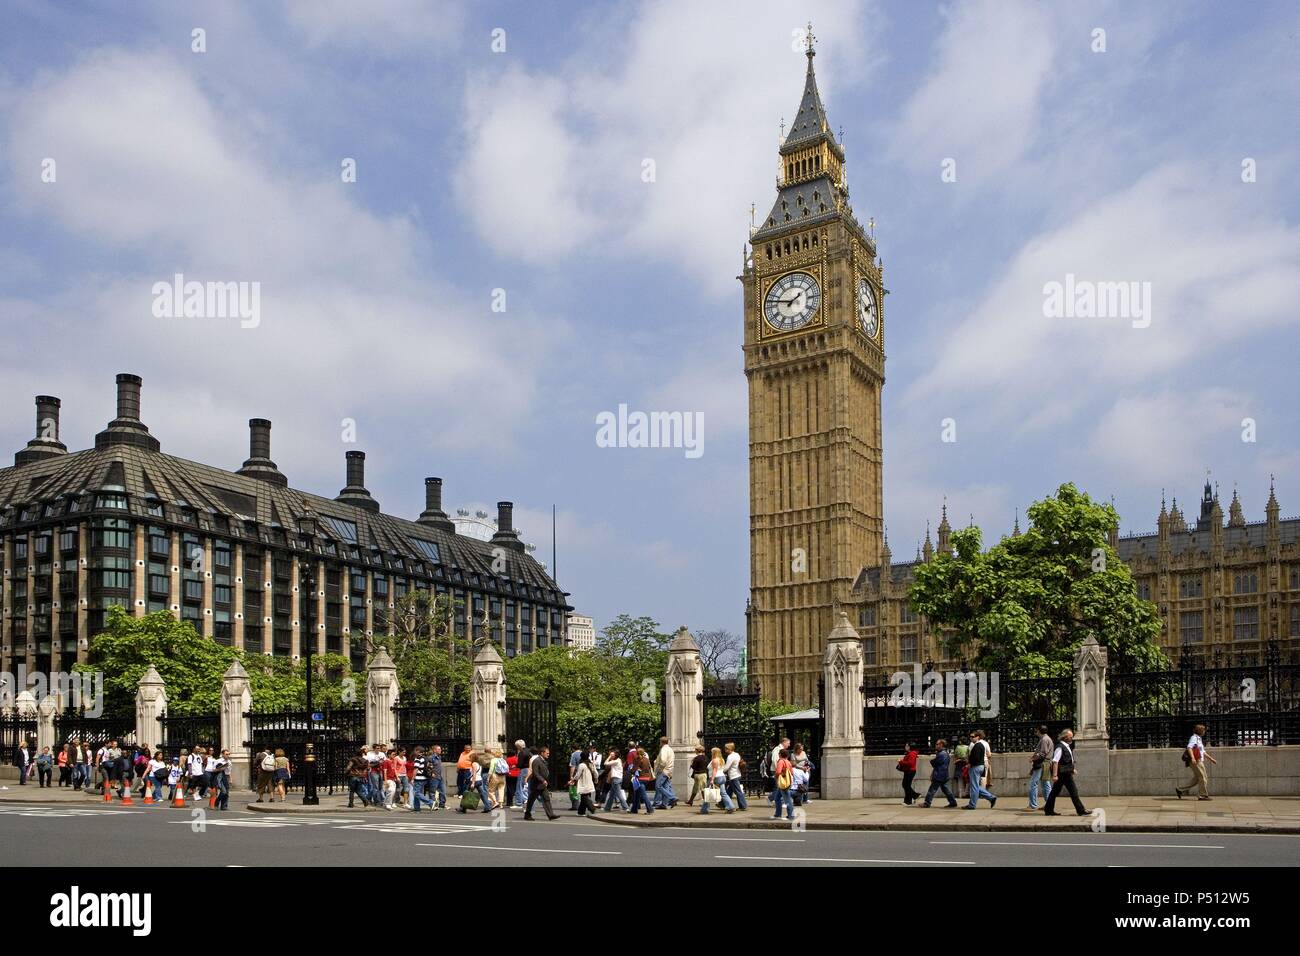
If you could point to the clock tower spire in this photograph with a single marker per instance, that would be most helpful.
(814, 360)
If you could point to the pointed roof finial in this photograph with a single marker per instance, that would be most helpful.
(809, 42)
(1015, 528)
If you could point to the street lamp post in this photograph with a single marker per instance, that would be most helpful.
(307, 585)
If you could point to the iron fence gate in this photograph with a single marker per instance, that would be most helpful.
(948, 711)
(1254, 702)
(188, 732)
(95, 731)
(427, 725)
(737, 718)
(14, 730)
(533, 722)
(808, 730)
(338, 735)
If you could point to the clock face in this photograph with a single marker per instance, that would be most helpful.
(792, 301)
(867, 312)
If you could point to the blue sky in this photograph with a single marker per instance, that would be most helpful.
(522, 170)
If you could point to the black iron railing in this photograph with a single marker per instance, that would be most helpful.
(188, 732)
(1252, 702)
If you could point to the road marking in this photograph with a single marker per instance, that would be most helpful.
(29, 811)
(518, 849)
(636, 836)
(1084, 843)
(833, 859)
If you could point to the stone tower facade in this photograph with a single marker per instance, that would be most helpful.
(814, 359)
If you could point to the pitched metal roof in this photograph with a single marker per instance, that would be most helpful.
(208, 491)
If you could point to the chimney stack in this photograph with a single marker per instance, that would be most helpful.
(259, 464)
(126, 428)
(355, 491)
(46, 444)
(433, 515)
(506, 536)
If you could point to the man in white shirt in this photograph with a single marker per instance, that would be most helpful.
(665, 798)
(735, 786)
(1195, 757)
(1063, 776)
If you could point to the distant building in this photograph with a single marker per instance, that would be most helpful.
(582, 633)
(124, 524)
(1226, 588)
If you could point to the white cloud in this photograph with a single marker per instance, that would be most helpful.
(565, 152)
(981, 104)
(391, 27)
(152, 169)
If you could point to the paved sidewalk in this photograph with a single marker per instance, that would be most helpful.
(1152, 814)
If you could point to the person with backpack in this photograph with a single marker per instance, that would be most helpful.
(641, 775)
(140, 763)
(498, 774)
(961, 768)
(981, 768)
(783, 778)
(265, 764)
(358, 779)
(908, 766)
(220, 779)
(939, 767)
(1195, 755)
(1040, 769)
(538, 783)
(734, 766)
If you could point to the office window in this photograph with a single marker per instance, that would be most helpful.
(869, 651)
(1190, 586)
(1144, 589)
(1245, 582)
(1191, 629)
(1295, 620)
(907, 649)
(68, 540)
(867, 615)
(1245, 623)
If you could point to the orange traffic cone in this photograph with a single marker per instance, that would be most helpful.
(126, 794)
(108, 793)
(180, 799)
(148, 798)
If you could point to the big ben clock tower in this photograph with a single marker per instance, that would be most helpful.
(814, 358)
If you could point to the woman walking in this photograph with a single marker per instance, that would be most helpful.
(641, 775)
(156, 775)
(783, 775)
(282, 773)
(497, 777)
(221, 780)
(716, 776)
(614, 768)
(585, 781)
(65, 765)
(699, 774)
(908, 766)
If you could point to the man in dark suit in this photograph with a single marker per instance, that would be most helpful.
(1063, 775)
(538, 783)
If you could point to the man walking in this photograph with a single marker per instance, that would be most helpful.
(665, 798)
(538, 780)
(436, 782)
(981, 768)
(1195, 758)
(265, 764)
(1063, 775)
(940, 765)
(734, 769)
(1040, 769)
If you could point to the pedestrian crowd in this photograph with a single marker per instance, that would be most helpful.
(130, 769)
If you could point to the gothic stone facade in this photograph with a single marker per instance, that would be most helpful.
(1221, 588)
(814, 360)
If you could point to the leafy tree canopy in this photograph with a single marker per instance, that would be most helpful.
(1025, 605)
(192, 667)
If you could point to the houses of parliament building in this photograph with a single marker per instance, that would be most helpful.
(814, 332)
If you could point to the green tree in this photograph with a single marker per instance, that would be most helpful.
(1026, 604)
(192, 667)
(431, 659)
(626, 636)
